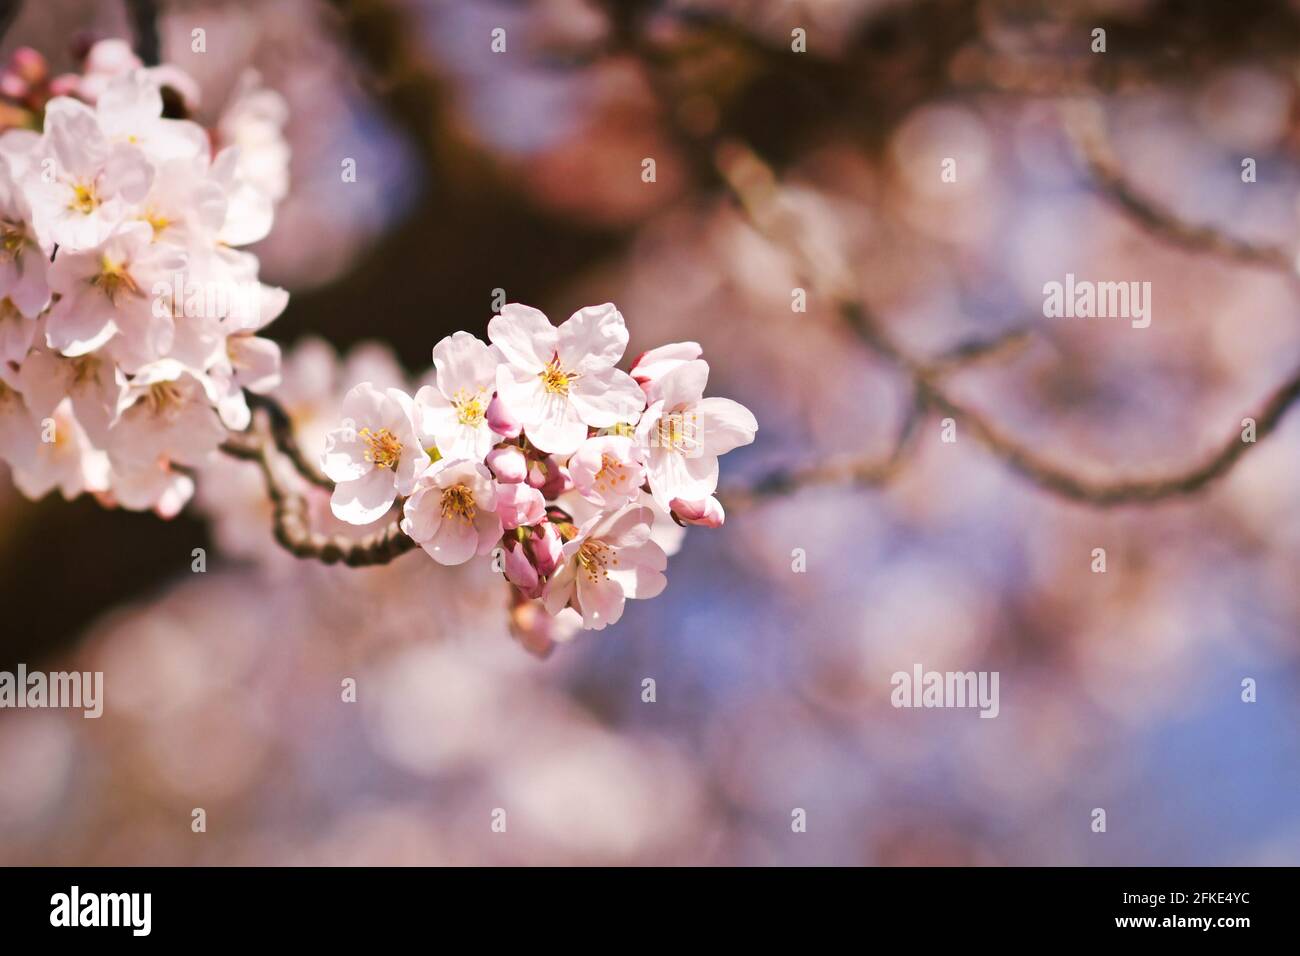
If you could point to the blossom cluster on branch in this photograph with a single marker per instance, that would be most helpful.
(537, 449)
(129, 316)
(129, 346)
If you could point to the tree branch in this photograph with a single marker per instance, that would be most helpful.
(1086, 129)
(292, 523)
(756, 189)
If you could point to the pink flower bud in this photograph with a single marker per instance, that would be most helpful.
(546, 546)
(519, 570)
(29, 64)
(500, 419)
(519, 505)
(550, 478)
(12, 86)
(707, 513)
(508, 464)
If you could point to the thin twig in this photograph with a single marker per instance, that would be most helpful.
(292, 522)
(1086, 128)
(144, 21)
(754, 189)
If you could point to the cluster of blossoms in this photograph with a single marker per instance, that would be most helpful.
(129, 317)
(537, 449)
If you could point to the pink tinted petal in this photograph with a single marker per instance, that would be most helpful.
(602, 601)
(454, 543)
(596, 334)
(724, 425)
(345, 456)
(605, 396)
(365, 500)
(464, 364)
(524, 335)
(684, 385)
(628, 528)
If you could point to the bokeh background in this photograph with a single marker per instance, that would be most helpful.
(522, 171)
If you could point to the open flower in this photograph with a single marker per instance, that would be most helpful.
(63, 458)
(683, 433)
(83, 185)
(105, 291)
(559, 381)
(454, 410)
(610, 559)
(167, 414)
(607, 470)
(23, 264)
(375, 456)
(452, 512)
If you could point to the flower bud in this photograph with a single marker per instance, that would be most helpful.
(508, 464)
(549, 477)
(519, 569)
(519, 505)
(500, 420)
(707, 513)
(546, 546)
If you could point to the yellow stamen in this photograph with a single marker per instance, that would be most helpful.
(470, 409)
(384, 450)
(84, 199)
(162, 396)
(114, 279)
(611, 472)
(595, 558)
(554, 379)
(458, 502)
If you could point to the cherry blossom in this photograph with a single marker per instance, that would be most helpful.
(683, 433)
(609, 560)
(454, 410)
(134, 347)
(375, 456)
(559, 381)
(452, 512)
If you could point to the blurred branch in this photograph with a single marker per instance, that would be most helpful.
(1086, 128)
(756, 189)
(144, 21)
(265, 444)
(867, 472)
(8, 12)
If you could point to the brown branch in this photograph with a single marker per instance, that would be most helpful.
(281, 429)
(1086, 129)
(292, 523)
(866, 472)
(755, 188)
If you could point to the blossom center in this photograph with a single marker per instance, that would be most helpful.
(595, 558)
(554, 379)
(470, 411)
(84, 369)
(676, 431)
(612, 472)
(162, 397)
(13, 238)
(158, 221)
(382, 447)
(84, 199)
(458, 502)
(114, 279)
